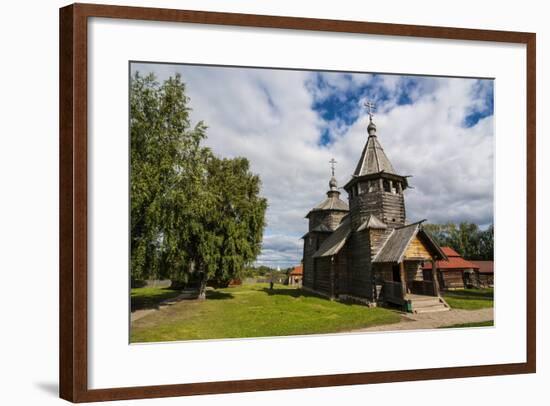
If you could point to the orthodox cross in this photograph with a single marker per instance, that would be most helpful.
(332, 162)
(371, 107)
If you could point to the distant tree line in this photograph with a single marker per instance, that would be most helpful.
(465, 238)
(263, 271)
(194, 216)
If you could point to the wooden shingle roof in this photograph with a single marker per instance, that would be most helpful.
(321, 228)
(332, 202)
(372, 222)
(336, 240)
(373, 159)
(395, 246)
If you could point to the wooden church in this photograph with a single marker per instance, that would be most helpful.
(365, 251)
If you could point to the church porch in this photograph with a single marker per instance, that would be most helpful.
(396, 282)
(398, 267)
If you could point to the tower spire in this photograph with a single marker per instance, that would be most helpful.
(371, 107)
(333, 184)
(332, 163)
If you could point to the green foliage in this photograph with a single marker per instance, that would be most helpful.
(193, 215)
(465, 238)
(235, 220)
(260, 270)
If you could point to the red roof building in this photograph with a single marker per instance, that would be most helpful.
(485, 273)
(298, 270)
(484, 266)
(295, 276)
(455, 261)
(455, 272)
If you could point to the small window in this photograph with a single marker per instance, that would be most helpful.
(371, 186)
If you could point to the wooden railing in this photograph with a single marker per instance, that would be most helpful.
(422, 288)
(392, 292)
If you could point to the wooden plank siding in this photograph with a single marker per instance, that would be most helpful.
(417, 251)
(451, 279)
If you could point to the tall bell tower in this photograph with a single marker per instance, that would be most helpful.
(375, 188)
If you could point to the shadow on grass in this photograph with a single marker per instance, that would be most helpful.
(146, 301)
(150, 301)
(470, 294)
(295, 293)
(217, 295)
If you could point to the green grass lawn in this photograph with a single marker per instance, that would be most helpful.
(149, 298)
(476, 324)
(469, 299)
(254, 311)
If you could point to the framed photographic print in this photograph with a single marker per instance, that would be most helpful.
(278, 202)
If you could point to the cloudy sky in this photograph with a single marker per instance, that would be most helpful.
(289, 124)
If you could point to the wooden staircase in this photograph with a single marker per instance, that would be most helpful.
(426, 304)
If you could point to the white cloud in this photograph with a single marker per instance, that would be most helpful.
(267, 116)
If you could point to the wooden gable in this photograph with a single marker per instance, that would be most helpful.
(416, 250)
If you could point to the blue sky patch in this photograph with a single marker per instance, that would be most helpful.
(484, 91)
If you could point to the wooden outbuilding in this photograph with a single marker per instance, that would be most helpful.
(365, 251)
(485, 274)
(455, 272)
(295, 276)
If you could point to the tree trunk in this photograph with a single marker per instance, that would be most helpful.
(202, 286)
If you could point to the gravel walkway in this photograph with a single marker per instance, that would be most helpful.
(435, 320)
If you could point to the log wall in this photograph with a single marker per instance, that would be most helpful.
(360, 266)
(388, 207)
(393, 208)
(312, 242)
(328, 218)
(321, 279)
(341, 271)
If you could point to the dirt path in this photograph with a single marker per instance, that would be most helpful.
(435, 320)
(138, 314)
